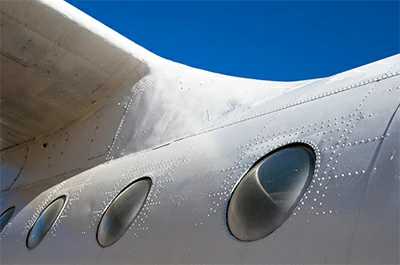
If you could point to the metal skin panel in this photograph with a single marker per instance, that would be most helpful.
(183, 220)
(55, 66)
(11, 166)
(196, 134)
(379, 212)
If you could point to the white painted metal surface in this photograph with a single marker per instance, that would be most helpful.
(195, 133)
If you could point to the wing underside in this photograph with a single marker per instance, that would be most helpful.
(56, 66)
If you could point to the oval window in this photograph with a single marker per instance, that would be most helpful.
(122, 211)
(45, 222)
(5, 217)
(268, 193)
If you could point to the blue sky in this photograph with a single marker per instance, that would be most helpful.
(263, 39)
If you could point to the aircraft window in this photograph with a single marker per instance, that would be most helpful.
(268, 193)
(5, 217)
(122, 211)
(45, 222)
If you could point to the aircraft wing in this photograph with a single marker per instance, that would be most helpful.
(57, 66)
(67, 77)
(111, 154)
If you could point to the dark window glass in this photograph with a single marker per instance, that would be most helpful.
(122, 211)
(267, 194)
(45, 222)
(5, 217)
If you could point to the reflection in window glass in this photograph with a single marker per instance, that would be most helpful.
(267, 194)
(122, 211)
(45, 222)
(5, 217)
